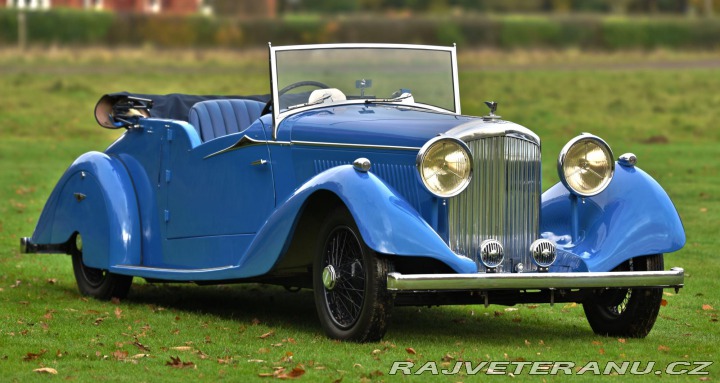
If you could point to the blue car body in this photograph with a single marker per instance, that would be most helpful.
(165, 204)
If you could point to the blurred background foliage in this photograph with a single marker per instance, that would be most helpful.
(503, 24)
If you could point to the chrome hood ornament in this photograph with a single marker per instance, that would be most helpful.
(493, 108)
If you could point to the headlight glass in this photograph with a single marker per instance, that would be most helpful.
(445, 166)
(586, 165)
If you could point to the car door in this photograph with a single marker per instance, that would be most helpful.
(217, 199)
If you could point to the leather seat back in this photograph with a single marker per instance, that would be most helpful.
(217, 118)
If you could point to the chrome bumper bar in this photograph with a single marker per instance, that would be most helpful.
(675, 277)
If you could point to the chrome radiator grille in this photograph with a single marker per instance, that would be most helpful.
(502, 201)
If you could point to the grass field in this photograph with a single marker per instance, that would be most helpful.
(663, 107)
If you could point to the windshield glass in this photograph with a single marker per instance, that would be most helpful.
(387, 73)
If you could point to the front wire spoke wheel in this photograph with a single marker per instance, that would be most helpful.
(626, 312)
(349, 282)
(345, 299)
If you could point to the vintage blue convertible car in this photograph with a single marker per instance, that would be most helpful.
(359, 177)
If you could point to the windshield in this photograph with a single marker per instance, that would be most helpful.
(381, 73)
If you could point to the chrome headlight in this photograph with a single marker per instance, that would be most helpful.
(586, 165)
(445, 166)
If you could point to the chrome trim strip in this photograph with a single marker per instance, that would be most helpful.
(675, 277)
(170, 271)
(479, 129)
(360, 146)
(274, 89)
(456, 82)
(362, 45)
(246, 141)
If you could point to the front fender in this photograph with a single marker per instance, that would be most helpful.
(95, 197)
(632, 217)
(387, 223)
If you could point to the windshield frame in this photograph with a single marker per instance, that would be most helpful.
(279, 115)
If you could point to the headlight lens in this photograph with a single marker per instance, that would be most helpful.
(445, 166)
(586, 165)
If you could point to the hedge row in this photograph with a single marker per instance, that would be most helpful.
(65, 27)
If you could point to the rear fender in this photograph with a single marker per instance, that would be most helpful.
(632, 217)
(387, 223)
(95, 197)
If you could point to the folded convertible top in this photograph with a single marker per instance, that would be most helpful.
(176, 106)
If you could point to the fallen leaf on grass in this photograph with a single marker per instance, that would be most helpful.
(287, 358)
(175, 362)
(293, 374)
(267, 334)
(140, 346)
(707, 308)
(411, 351)
(621, 340)
(663, 348)
(663, 303)
(281, 373)
(120, 355)
(118, 312)
(181, 348)
(52, 281)
(46, 370)
(32, 356)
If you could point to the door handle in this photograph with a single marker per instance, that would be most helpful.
(259, 162)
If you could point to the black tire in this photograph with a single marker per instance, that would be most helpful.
(626, 312)
(355, 304)
(97, 283)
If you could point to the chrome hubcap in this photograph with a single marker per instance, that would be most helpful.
(329, 277)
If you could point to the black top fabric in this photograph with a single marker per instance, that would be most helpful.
(176, 106)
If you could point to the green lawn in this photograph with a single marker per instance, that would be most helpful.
(666, 114)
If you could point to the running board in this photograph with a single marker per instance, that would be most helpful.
(187, 275)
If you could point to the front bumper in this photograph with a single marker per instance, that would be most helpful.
(674, 277)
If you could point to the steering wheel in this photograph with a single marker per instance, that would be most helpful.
(302, 83)
(268, 106)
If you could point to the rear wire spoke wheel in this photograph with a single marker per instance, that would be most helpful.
(97, 283)
(350, 283)
(626, 312)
